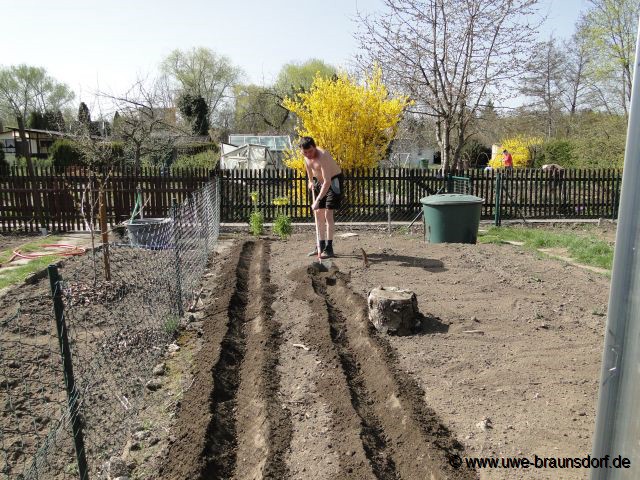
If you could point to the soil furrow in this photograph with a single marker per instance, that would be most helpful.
(193, 418)
(220, 453)
(263, 429)
(414, 443)
(325, 441)
(280, 425)
(372, 434)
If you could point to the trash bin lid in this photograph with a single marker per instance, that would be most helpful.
(451, 199)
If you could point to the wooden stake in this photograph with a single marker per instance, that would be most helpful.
(105, 235)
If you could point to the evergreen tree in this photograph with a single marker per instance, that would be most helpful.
(37, 121)
(196, 111)
(84, 117)
(59, 122)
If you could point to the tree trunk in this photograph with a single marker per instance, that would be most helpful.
(444, 140)
(392, 310)
(35, 190)
(138, 154)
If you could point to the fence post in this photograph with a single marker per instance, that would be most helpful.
(205, 201)
(389, 212)
(497, 220)
(104, 233)
(77, 423)
(177, 227)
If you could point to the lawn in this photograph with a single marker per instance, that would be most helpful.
(17, 275)
(584, 247)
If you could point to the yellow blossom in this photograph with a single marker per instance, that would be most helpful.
(354, 122)
(521, 149)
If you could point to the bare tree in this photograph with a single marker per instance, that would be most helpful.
(609, 28)
(146, 122)
(450, 57)
(575, 89)
(543, 81)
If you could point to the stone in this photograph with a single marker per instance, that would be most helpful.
(159, 369)
(117, 468)
(154, 384)
(142, 435)
(484, 424)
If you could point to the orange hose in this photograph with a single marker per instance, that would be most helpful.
(73, 250)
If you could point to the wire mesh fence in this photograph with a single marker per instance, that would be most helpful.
(119, 308)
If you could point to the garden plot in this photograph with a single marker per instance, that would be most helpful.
(293, 382)
(115, 343)
(288, 380)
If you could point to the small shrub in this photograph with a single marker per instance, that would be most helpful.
(256, 223)
(475, 154)
(282, 226)
(256, 219)
(556, 151)
(64, 153)
(37, 162)
(207, 159)
(171, 324)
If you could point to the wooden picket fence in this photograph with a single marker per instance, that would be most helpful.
(370, 194)
(70, 197)
(375, 194)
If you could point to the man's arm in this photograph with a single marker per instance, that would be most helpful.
(309, 174)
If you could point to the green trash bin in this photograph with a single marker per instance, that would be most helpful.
(451, 218)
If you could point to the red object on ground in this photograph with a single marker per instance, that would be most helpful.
(72, 250)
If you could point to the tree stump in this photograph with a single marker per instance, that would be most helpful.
(392, 310)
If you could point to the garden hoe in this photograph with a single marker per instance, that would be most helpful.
(320, 266)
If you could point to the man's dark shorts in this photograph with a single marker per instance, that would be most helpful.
(333, 198)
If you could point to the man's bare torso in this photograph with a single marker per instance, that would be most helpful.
(323, 162)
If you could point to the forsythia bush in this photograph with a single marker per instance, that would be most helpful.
(355, 123)
(523, 150)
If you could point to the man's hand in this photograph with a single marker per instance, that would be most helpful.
(310, 184)
(315, 205)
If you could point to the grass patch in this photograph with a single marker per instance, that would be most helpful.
(171, 324)
(585, 249)
(17, 275)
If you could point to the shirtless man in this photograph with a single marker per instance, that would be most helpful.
(326, 180)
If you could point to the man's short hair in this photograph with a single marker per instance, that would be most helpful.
(504, 151)
(307, 142)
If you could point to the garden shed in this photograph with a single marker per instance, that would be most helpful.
(249, 156)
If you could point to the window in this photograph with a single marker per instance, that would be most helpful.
(10, 145)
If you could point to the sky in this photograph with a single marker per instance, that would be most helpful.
(106, 45)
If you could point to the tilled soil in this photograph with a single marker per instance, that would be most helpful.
(296, 384)
(293, 382)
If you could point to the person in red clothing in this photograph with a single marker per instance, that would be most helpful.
(507, 160)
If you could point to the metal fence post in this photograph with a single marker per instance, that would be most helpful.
(77, 422)
(205, 204)
(177, 227)
(497, 219)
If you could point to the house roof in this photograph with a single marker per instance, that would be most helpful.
(35, 130)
